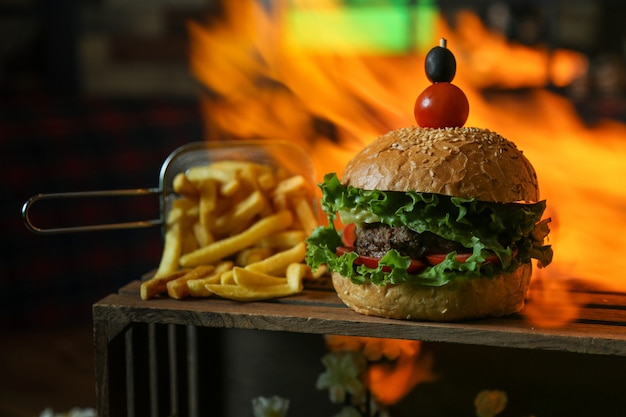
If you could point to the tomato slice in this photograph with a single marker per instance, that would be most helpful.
(372, 262)
(349, 235)
(438, 258)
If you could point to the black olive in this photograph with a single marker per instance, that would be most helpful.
(440, 64)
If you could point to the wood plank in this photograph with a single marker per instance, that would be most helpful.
(601, 308)
(321, 312)
(607, 299)
(109, 372)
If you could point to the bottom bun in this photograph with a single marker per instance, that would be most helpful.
(461, 299)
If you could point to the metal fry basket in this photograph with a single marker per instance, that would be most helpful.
(270, 152)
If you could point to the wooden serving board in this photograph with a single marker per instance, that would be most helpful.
(598, 329)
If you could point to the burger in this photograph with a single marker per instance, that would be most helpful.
(438, 224)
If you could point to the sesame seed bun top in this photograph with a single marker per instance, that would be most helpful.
(459, 162)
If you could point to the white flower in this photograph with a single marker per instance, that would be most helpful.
(343, 375)
(270, 406)
(74, 412)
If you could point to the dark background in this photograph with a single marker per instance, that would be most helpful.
(89, 101)
(93, 96)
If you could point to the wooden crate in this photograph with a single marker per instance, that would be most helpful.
(132, 336)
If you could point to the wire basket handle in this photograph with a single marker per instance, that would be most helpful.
(89, 228)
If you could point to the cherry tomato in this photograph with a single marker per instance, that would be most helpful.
(441, 105)
(371, 262)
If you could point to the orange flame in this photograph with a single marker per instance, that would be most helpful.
(390, 382)
(395, 366)
(333, 103)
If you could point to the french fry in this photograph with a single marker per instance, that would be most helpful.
(188, 238)
(241, 215)
(224, 266)
(305, 214)
(295, 275)
(267, 181)
(230, 188)
(208, 202)
(227, 278)
(280, 202)
(183, 186)
(203, 234)
(291, 185)
(238, 293)
(221, 171)
(318, 273)
(282, 240)
(249, 256)
(197, 286)
(277, 264)
(249, 176)
(249, 278)
(178, 289)
(253, 286)
(158, 284)
(177, 212)
(191, 213)
(229, 246)
(172, 249)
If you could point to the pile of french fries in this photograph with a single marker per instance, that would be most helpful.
(238, 231)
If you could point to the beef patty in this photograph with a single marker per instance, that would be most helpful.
(377, 239)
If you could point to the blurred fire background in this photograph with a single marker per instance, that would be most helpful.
(94, 94)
